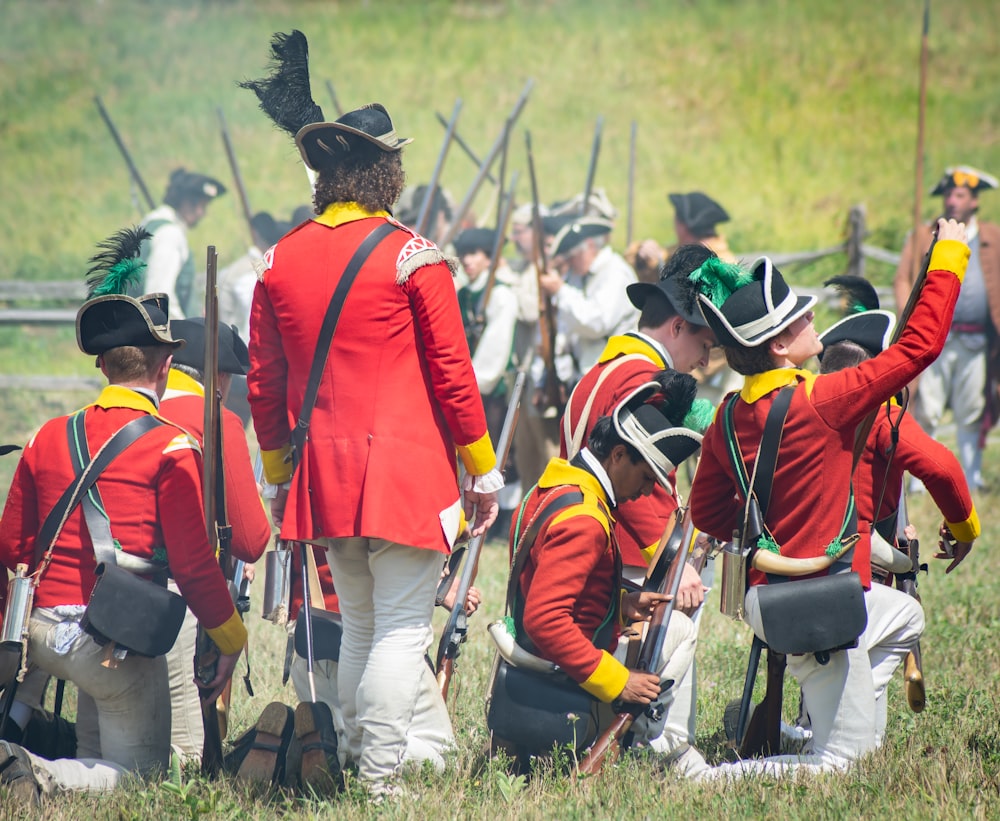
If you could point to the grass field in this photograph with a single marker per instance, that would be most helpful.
(787, 112)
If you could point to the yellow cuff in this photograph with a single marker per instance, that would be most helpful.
(968, 530)
(608, 680)
(277, 465)
(649, 552)
(230, 636)
(950, 255)
(478, 457)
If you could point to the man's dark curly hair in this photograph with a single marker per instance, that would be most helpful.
(367, 175)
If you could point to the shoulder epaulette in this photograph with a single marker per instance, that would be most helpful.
(182, 441)
(418, 252)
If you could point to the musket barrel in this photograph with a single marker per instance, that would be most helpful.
(136, 176)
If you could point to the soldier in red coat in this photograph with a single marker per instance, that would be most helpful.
(376, 479)
(768, 335)
(184, 403)
(152, 498)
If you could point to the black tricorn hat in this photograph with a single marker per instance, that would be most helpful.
(233, 354)
(187, 186)
(865, 324)
(752, 312)
(642, 424)
(116, 321)
(699, 212)
(475, 239)
(319, 143)
(959, 175)
(575, 232)
(672, 288)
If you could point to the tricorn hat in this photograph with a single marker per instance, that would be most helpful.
(319, 143)
(643, 425)
(575, 232)
(699, 212)
(672, 288)
(187, 186)
(475, 239)
(959, 175)
(233, 354)
(865, 325)
(746, 308)
(116, 321)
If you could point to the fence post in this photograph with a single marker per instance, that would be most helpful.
(855, 239)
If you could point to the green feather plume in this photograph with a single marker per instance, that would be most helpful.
(718, 280)
(700, 416)
(118, 266)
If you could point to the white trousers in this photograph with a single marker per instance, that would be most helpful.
(845, 698)
(957, 380)
(392, 708)
(123, 724)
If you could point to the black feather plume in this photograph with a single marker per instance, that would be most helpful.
(679, 390)
(285, 95)
(118, 266)
(857, 292)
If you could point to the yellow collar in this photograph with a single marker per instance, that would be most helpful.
(624, 345)
(338, 213)
(560, 472)
(119, 396)
(761, 384)
(182, 383)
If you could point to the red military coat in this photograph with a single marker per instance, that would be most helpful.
(152, 494)
(571, 581)
(813, 474)
(398, 396)
(639, 522)
(924, 457)
(184, 403)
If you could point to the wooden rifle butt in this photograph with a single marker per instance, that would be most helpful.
(445, 671)
(913, 681)
(763, 733)
(608, 746)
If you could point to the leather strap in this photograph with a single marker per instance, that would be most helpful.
(298, 435)
(71, 497)
(574, 435)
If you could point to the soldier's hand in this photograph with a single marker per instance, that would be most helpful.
(691, 593)
(641, 688)
(550, 282)
(486, 506)
(951, 229)
(224, 668)
(950, 548)
(638, 605)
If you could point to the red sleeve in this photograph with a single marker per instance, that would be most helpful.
(251, 531)
(182, 520)
(937, 467)
(715, 507)
(268, 375)
(565, 558)
(439, 325)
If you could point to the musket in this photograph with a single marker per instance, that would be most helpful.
(457, 627)
(496, 255)
(552, 399)
(432, 186)
(921, 112)
(237, 176)
(485, 165)
(333, 98)
(133, 171)
(913, 667)
(595, 151)
(216, 519)
(608, 745)
(762, 734)
(631, 185)
(465, 147)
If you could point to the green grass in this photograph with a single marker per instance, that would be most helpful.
(787, 112)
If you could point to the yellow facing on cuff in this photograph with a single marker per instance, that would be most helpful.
(230, 636)
(950, 255)
(277, 465)
(608, 680)
(968, 530)
(478, 457)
